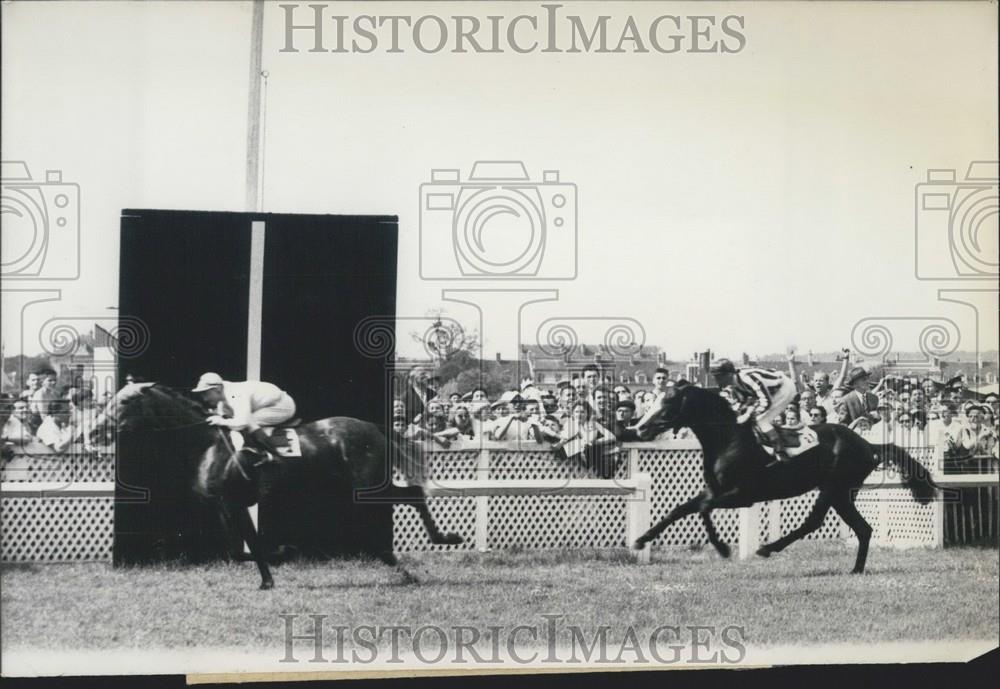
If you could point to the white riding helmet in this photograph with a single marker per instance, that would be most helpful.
(207, 382)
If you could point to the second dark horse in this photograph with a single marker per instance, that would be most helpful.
(738, 472)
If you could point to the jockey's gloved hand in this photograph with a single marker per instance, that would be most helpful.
(216, 420)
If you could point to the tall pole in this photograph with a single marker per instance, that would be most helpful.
(253, 112)
(256, 301)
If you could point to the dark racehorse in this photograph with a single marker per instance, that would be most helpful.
(739, 472)
(350, 455)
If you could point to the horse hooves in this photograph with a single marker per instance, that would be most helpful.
(451, 539)
(408, 578)
(638, 544)
(858, 571)
(724, 550)
(763, 552)
(266, 585)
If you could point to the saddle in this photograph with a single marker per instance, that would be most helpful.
(795, 440)
(284, 438)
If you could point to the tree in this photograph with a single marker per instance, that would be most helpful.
(445, 337)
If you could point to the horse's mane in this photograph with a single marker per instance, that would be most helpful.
(154, 407)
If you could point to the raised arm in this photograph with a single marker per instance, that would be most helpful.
(792, 374)
(843, 367)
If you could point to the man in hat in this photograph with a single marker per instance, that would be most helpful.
(765, 391)
(860, 401)
(418, 393)
(247, 406)
(624, 413)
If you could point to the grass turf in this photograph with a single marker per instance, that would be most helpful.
(803, 595)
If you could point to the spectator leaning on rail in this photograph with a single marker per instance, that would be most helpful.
(982, 437)
(585, 438)
(624, 413)
(247, 406)
(602, 402)
(17, 429)
(567, 396)
(418, 393)
(45, 400)
(83, 421)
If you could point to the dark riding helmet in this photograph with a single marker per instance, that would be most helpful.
(722, 366)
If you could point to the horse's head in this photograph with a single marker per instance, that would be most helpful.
(668, 412)
(147, 407)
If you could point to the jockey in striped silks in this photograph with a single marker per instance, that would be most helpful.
(768, 392)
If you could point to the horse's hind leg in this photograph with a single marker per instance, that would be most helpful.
(679, 512)
(844, 504)
(813, 521)
(414, 495)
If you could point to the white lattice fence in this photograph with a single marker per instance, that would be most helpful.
(451, 514)
(63, 527)
(56, 529)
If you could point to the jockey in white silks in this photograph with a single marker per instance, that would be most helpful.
(246, 406)
(766, 392)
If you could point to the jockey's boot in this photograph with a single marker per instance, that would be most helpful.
(779, 447)
(263, 441)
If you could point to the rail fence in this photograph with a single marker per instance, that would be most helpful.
(58, 508)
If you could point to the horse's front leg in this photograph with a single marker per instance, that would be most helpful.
(731, 498)
(679, 512)
(249, 534)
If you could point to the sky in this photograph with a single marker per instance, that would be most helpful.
(751, 201)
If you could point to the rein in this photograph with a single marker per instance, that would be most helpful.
(232, 455)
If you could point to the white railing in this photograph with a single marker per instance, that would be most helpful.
(637, 492)
(507, 495)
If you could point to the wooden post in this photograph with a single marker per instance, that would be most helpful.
(483, 503)
(638, 513)
(749, 530)
(774, 521)
(938, 517)
(882, 528)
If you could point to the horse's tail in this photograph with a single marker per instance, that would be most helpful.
(915, 475)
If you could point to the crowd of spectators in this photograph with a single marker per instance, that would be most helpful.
(43, 414)
(589, 411)
(586, 414)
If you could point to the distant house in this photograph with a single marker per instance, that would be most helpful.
(90, 363)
